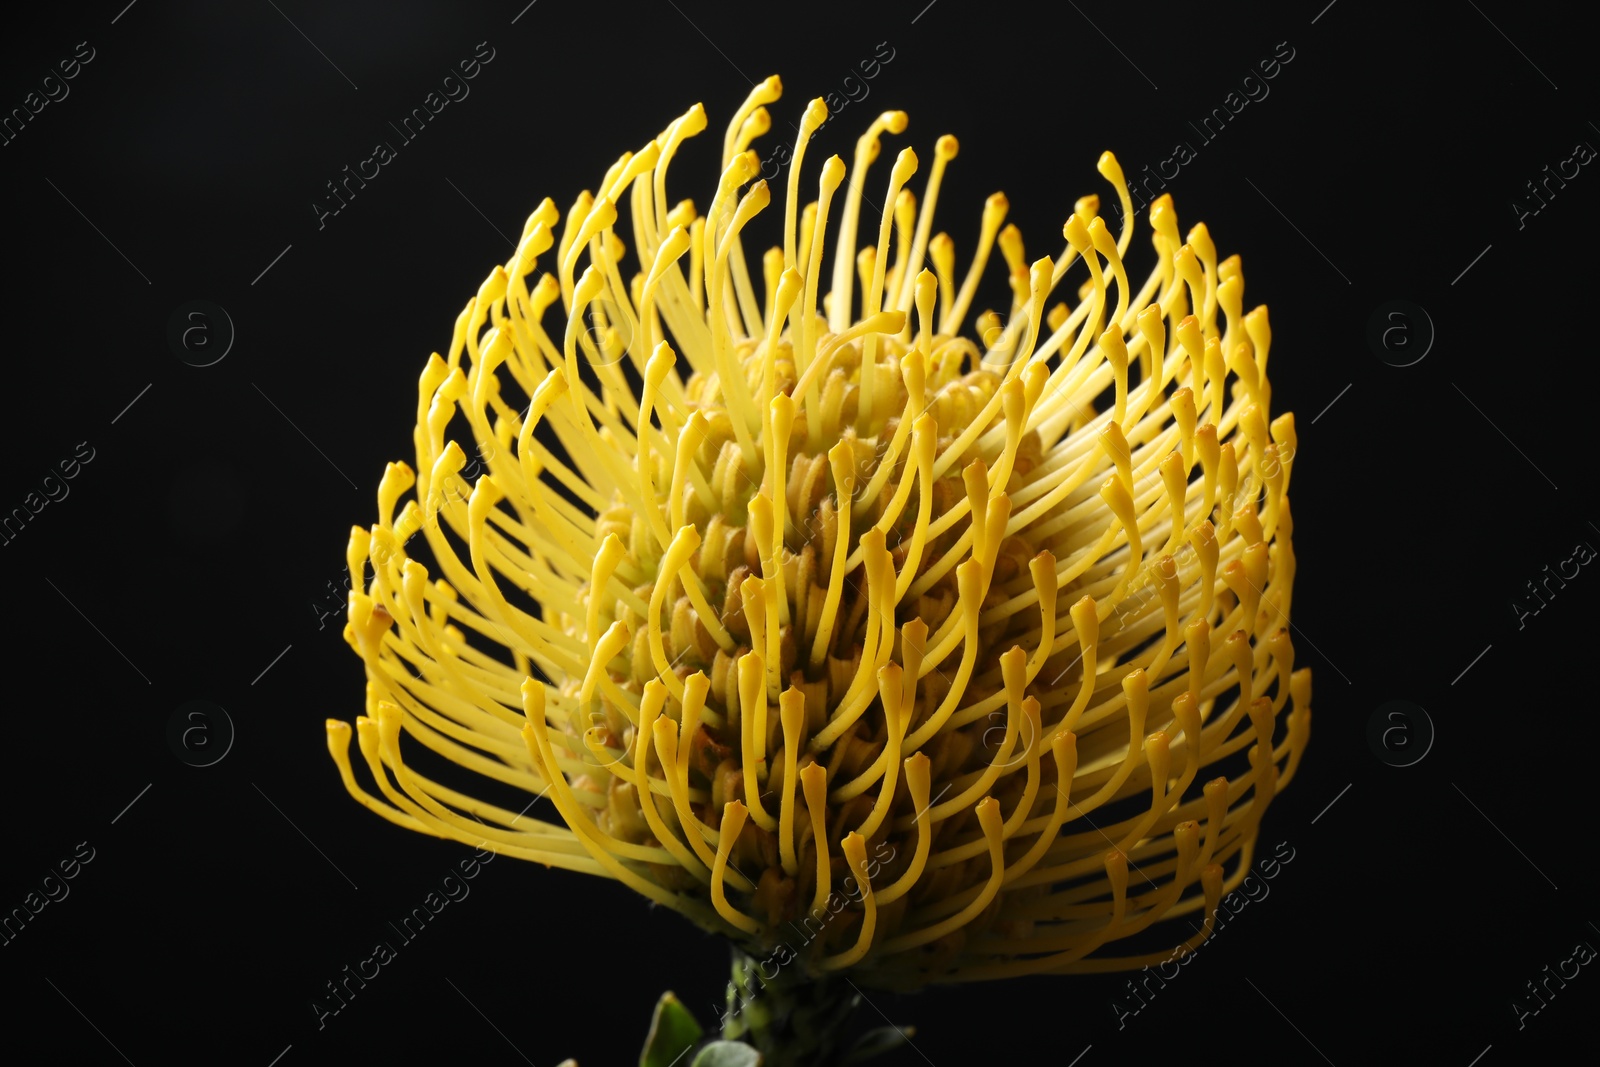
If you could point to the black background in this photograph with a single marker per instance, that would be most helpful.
(193, 547)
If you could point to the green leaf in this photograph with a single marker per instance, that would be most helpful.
(727, 1054)
(673, 1032)
(877, 1042)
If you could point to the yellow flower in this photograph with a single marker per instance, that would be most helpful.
(860, 642)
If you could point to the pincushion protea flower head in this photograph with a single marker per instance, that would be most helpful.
(846, 635)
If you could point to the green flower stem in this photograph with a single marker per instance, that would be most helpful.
(792, 1019)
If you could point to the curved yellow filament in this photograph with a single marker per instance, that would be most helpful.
(814, 783)
(792, 713)
(891, 692)
(988, 811)
(655, 698)
(855, 853)
(753, 732)
(733, 818)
